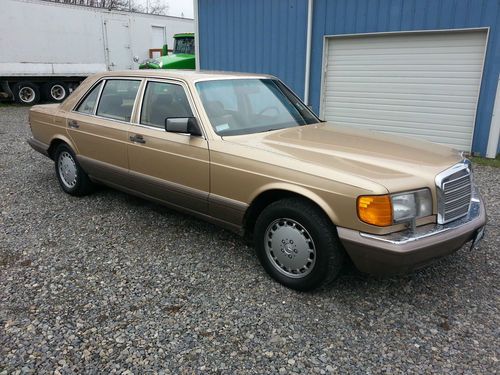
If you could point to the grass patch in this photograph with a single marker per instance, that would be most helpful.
(484, 161)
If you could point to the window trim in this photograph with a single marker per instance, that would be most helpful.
(135, 99)
(87, 94)
(202, 80)
(189, 97)
(104, 79)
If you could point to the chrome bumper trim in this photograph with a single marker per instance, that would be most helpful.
(406, 236)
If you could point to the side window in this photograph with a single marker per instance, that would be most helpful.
(163, 100)
(88, 104)
(117, 99)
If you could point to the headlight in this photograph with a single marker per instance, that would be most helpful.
(407, 206)
(385, 210)
(157, 61)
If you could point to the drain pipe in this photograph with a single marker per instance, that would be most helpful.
(310, 4)
(196, 35)
(494, 136)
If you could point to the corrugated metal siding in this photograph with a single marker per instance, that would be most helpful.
(422, 84)
(262, 36)
(336, 17)
(270, 36)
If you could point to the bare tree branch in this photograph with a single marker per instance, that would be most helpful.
(160, 7)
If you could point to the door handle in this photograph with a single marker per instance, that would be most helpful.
(73, 124)
(137, 138)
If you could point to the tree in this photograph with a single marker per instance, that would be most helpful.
(152, 6)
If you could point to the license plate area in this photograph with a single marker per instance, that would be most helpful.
(478, 236)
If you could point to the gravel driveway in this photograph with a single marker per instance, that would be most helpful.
(111, 283)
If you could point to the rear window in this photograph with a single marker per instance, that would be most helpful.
(88, 104)
(117, 99)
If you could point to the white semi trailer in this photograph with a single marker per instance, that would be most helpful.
(47, 48)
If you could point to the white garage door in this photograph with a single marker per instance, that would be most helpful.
(415, 84)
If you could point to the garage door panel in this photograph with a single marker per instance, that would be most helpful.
(411, 80)
(423, 105)
(437, 119)
(354, 97)
(448, 89)
(388, 126)
(469, 51)
(396, 59)
(409, 67)
(417, 84)
(409, 73)
(410, 108)
(424, 40)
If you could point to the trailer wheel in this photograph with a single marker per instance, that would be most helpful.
(26, 93)
(55, 91)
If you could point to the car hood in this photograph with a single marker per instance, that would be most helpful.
(398, 163)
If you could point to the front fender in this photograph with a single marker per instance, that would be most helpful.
(302, 191)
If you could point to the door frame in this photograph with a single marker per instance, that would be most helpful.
(105, 32)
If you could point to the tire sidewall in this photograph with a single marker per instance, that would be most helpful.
(17, 91)
(46, 91)
(323, 241)
(73, 190)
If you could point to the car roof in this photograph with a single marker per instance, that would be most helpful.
(186, 75)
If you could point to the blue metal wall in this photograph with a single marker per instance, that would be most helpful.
(270, 37)
(261, 36)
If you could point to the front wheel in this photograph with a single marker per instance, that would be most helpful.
(297, 244)
(71, 176)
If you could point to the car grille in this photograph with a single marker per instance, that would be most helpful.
(454, 193)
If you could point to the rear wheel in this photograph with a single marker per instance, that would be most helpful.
(55, 91)
(298, 245)
(26, 93)
(71, 176)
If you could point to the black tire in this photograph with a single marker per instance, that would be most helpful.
(80, 185)
(327, 252)
(55, 92)
(26, 93)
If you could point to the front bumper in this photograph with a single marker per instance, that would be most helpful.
(404, 251)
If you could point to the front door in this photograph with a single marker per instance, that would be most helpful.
(168, 166)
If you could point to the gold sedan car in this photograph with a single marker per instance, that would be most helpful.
(244, 152)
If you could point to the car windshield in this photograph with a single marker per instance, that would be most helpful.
(184, 45)
(244, 106)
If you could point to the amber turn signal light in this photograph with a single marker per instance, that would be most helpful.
(375, 210)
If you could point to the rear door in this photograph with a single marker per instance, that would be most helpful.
(99, 127)
(169, 166)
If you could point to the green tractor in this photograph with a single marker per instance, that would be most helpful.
(182, 56)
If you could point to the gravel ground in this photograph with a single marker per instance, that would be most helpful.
(111, 283)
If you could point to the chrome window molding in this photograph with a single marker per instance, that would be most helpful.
(103, 80)
(189, 97)
(84, 97)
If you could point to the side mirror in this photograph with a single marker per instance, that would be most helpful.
(186, 125)
(164, 50)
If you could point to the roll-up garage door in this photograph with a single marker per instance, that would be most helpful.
(414, 84)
